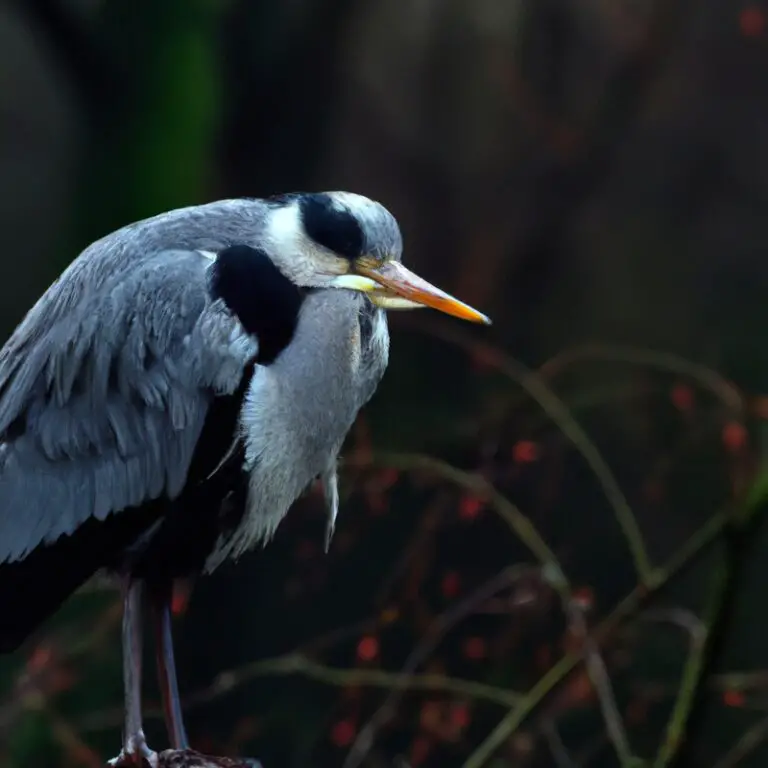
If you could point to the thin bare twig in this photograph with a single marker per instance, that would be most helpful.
(537, 388)
(687, 620)
(70, 740)
(706, 377)
(30, 686)
(629, 605)
(478, 485)
(740, 681)
(299, 664)
(601, 681)
(556, 747)
(693, 674)
(748, 742)
(365, 737)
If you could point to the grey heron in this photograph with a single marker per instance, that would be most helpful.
(172, 394)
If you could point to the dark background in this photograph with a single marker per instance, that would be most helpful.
(593, 174)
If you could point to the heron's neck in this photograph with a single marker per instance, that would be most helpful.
(299, 409)
(297, 412)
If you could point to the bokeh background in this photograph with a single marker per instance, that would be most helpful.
(551, 550)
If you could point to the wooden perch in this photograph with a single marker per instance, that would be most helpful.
(188, 758)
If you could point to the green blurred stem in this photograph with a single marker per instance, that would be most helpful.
(539, 390)
(298, 664)
(693, 672)
(628, 606)
(601, 682)
(477, 485)
(552, 572)
(747, 743)
(706, 377)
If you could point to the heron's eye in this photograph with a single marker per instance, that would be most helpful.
(331, 226)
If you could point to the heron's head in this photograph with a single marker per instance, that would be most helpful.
(343, 240)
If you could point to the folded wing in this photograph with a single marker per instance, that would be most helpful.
(104, 390)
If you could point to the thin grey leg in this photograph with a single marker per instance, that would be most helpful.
(166, 669)
(135, 751)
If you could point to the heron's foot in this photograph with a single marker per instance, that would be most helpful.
(144, 759)
(136, 754)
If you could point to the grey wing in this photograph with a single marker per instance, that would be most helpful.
(102, 399)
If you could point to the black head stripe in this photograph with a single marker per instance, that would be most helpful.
(331, 226)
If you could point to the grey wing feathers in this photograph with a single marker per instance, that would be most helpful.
(102, 398)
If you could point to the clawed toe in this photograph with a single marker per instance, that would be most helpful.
(144, 760)
(138, 756)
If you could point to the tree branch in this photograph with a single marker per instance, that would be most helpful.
(188, 758)
(683, 557)
(532, 383)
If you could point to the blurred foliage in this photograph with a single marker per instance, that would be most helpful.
(568, 563)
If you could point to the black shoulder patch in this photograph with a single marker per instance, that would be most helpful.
(265, 301)
(333, 228)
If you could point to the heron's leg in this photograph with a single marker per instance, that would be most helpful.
(166, 666)
(135, 749)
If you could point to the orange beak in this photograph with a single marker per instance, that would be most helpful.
(402, 289)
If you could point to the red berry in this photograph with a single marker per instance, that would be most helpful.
(451, 584)
(752, 21)
(734, 436)
(420, 750)
(474, 648)
(525, 452)
(460, 716)
(343, 733)
(734, 699)
(368, 648)
(682, 397)
(470, 507)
